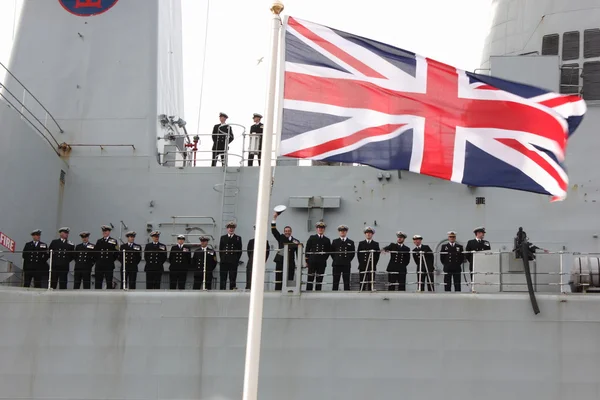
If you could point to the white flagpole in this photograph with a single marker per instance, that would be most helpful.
(262, 219)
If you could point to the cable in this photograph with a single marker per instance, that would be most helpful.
(203, 64)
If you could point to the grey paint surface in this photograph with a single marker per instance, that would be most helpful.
(190, 345)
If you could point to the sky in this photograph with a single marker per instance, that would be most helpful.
(238, 35)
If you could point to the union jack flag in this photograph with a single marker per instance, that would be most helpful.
(354, 100)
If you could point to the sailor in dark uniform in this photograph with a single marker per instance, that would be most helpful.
(107, 251)
(343, 253)
(201, 268)
(318, 250)
(180, 259)
(85, 257)
(399, 260)
(35, 261)
(230, 252)
(282, 240)
(130, 260)
(452, 258)
(222, 135)
(477, 244)
(423, 256)
(256, 132)
(63, 252)
(155, 254)
(250, 251)
(368, 253)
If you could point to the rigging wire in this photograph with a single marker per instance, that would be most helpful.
(203, 64)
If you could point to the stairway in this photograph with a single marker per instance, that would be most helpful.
(229, 190)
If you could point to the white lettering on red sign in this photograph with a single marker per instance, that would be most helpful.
(7, 242)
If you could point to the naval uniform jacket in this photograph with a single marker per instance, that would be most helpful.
(400, 259)
(343, 252)
(250, 250)
(198, 260)
(133, 256)
(180, 258)
(476, 245)
(230, 249)
(62, 254)
(35, 257)
(365, 249)
(452, 256)
(85, 256)
(222, 135)
(314, 245)
(155, 255)
(108, 252)
(281, 242)
(427, 263)
(257, 128)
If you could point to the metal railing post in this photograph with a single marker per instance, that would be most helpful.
(473, 274)
(286, 265)
(50, 271)
(561, 271)
(420, 271)
(204, 269)
(372, 271)
(243, 149)
(125, 285)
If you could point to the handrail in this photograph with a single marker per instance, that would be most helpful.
(35, 98)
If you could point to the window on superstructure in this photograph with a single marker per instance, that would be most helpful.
(570, 49)
(591, 80)
(591, 43)
(550, 45)
(569, 79)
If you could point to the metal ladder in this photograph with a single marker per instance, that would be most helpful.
(229, 190)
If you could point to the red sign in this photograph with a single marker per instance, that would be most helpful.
(7, 242)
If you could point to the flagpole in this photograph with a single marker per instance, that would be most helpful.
(262, 219)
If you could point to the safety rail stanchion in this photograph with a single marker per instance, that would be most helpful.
(204, 270)
(420, 271)
(50, 271)
(124, 284)
(473, 274)
(560, 254)
(371, 261)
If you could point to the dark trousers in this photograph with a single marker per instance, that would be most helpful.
(279, 273)
(425, 276)
(249, 273)
(341, 271)
(452, 274)
(251, 159)
(316, 271)
(153, 278)
(471, 269)
(130, 277)
(397, 280)
(367, 278)
(34, 274)
(216, 154)
(104, 275)
(228, 270)
(59, 276)
(82, 276)
(199, 278)
(177, 279)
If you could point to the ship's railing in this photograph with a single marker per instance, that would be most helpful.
(492, 271)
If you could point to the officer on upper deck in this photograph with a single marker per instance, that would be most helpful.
(318, 250)
(230, 252)
(63, 252)
(255, 142)
(222, 135)
(282, 240)
(343, 253)
(368, 256)
(423, 256)
(155, 254)
(131, 260)
(180, 259)
(452, 258)
(35, 261)
(250, 251)
(399, 260)
(107, 250)
(85, 257)
(477, 244)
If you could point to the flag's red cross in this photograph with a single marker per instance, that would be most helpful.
(88, 3)
(440, 106)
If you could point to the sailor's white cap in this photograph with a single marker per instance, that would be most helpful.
(415, 237)
(155, 233)
(64, 229)
(368, 229)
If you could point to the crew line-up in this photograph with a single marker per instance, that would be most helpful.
(203, 260)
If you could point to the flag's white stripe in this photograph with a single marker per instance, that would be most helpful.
(574, 109)
(460, 148)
